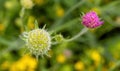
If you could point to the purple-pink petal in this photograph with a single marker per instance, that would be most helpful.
(91, 20)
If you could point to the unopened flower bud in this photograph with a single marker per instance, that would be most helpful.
(59, 38)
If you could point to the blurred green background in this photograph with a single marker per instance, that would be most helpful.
(97, 50)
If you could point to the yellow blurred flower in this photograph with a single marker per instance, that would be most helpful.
(29, 61)
(61, 58)
(79, 66)
(59, 11)
(17, 66)
(5, 65)
(25, 63)
(30, 23)
(97, 10)
(2, 27)
(96, 57)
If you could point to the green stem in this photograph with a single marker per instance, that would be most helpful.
(83, 31)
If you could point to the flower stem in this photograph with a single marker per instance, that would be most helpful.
(83, 31)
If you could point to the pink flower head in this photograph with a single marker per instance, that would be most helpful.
(91, 20)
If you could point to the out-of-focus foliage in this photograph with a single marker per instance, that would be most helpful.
(97, 50)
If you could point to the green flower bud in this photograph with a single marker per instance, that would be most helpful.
(59, 38)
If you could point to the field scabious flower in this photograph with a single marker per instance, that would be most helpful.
(38, 41)
(91, 20)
